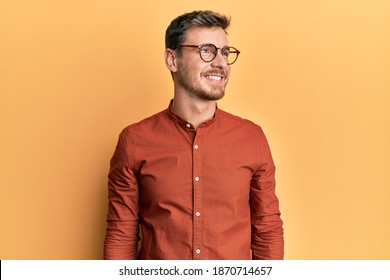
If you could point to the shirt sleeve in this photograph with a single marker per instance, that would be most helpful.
(267, 227)
(122, 235)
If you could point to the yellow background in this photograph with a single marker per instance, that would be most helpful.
(314, 74)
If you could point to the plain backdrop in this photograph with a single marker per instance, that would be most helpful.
(314, 74)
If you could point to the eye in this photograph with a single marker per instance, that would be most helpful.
(208, 52)
(207, 49)
(225, 52)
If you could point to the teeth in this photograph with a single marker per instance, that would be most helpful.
(216, 78)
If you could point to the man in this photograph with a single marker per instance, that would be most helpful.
(198, 181)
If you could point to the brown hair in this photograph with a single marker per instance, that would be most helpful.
(175, 34)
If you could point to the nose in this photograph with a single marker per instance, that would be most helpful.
(219, 60)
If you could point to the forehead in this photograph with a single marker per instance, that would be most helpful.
(206, 35)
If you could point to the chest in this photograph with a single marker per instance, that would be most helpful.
(216, 166)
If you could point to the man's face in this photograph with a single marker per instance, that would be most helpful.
(203, 80)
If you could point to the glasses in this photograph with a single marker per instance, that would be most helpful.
(208, 52)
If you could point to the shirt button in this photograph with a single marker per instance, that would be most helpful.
(196, 147)
(198, 251)
(188, 125)
(197, 214)
(197, 179)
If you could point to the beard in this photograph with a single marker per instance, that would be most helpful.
(206, 92)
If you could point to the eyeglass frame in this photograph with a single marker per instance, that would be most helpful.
(215, 53)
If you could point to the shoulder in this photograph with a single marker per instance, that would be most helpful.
(145, 125)
(237, 122)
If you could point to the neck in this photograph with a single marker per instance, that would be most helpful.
(193, 110)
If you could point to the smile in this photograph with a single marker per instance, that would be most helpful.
(215, 78)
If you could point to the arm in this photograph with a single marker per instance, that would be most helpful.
(122, 235)
(267, 226)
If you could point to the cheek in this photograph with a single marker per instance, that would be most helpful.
(228, 68)
(227, 74)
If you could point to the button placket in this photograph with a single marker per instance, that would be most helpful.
(198, 196)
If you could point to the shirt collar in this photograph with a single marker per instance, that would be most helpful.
(183, 123)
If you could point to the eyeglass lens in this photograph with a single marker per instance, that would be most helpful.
(209, 52)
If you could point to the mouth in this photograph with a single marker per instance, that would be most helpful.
(214, 78)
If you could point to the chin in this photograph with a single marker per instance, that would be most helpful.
(211, 97)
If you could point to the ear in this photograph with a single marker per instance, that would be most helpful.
(170, 60)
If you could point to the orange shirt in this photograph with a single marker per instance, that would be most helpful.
(197, 194)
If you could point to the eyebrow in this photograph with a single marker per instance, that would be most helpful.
(202, 44)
